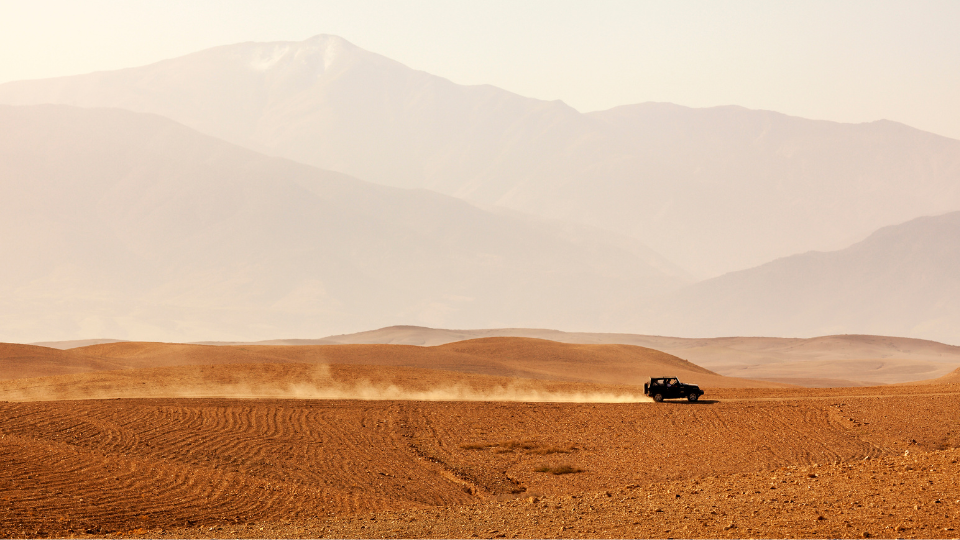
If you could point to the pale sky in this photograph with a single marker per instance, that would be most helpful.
(849, 61)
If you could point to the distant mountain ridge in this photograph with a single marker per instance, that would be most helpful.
(712, 190)
(132, 225)
(903, 280)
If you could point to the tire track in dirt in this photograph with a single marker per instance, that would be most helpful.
(895, 424)
(125, 464)
(845, 393)
(620, 444)
(425, 442)
(191, 467)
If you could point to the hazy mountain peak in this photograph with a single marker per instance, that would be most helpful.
(317, 54)
(713, 189)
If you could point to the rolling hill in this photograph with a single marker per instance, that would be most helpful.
(823, 361)
(28, 361)
(950, 378)
(504, 357)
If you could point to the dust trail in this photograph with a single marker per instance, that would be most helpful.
(317, 384)
(371, 392)
(366, 392)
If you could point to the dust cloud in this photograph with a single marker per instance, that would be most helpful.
(371, 392)
(319, 384)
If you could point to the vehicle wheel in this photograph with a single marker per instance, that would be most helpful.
(658, 398)
(693, 397)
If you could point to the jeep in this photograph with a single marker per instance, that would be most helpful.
(661, 388)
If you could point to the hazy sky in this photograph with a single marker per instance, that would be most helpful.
(847, 61)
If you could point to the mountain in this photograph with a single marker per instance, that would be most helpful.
(713, 190)
(903, 280)
(132, 225)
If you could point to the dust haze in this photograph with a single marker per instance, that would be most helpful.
(369, 194)
(497, 277)
(320, 384)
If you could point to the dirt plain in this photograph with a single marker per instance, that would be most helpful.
(146, 454)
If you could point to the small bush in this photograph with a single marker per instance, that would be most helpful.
(553, 450)
(517, 445)
(559, 469)
(474, 446)
(503, 447)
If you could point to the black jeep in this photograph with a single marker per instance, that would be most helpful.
(661, 388)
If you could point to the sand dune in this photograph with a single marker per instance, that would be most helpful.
(856, 359)
(826, 361)
(22, 361)
(844, 360)
(950, 378)
(74, 343)
(838, 346)
(523, 358)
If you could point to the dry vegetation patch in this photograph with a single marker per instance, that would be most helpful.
(526, 447)
(558, 469)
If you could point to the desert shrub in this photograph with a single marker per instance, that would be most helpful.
(565, 469)
(559, 469)
(553, 450)
(517, 445)
(474, 446)
(503, 447)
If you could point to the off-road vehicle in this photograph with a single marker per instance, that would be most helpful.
(661, 388)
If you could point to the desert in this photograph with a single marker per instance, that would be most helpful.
(488, 437)
(432, 269)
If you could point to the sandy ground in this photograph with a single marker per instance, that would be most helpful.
(229, 467)
(744, 462)
(908, 497)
